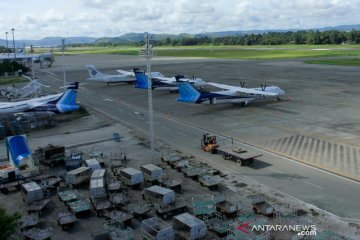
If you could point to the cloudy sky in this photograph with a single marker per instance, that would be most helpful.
(35, 19)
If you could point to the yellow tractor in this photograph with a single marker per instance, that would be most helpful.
(209, 143)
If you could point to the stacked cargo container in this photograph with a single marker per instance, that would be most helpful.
(78, 175)
(32, 192)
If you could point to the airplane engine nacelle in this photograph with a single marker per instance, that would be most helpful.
(212, 100)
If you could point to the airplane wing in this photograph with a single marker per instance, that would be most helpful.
(242, 90)
(127, 73)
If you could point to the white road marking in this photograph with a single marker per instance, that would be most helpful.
(314, 185)
(275, 170)
(51, 73)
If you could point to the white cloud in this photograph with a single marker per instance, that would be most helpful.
(40, 18)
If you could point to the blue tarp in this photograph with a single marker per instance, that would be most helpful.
(18, 148)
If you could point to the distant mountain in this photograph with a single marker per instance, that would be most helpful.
(133, 37)
(341, 28)
(136, 37)
(48, 41)
(240, 33)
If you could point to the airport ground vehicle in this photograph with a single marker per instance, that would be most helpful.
(238, 154)
(209, 143)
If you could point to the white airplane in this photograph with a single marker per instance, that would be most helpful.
(164, 83)
(57, 103)
(34, 87)
(229, 94)
(96, 75)
(123, 76)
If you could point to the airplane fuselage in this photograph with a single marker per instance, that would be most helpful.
(170, 84)
(230, 96)
(57, 103)
(113, 79)
(21, 106)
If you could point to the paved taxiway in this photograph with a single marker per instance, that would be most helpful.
(318, 98)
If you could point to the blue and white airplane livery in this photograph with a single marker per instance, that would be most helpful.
(164, 83)
(96, 75)
(229, 94)
(57, 103)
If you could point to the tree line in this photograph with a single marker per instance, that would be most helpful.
(12, 66)
(271, 38)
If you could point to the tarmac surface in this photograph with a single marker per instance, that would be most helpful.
(316, 123)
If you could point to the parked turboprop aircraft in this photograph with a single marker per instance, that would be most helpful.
(96, 75)
(57, 103)
(229, 94)
(164, 83)
(123, 76)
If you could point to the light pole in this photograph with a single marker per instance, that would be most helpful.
(63, 60)
(32, 62)
(7, 44)
(148, 54)
(14, 43)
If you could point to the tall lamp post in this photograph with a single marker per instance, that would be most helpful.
(32, 62)
(14, 43)
(148, 53)
(63, 60)
(7, 43)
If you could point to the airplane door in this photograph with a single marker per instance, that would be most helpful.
(213, 100)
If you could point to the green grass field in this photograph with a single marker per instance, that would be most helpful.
(257, 54)
(339, 61)
(229, 52)
(12, 80)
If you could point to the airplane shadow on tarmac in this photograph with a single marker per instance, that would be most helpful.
(286, 175)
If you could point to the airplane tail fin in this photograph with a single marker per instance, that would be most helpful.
(188, 93)
(67, 101)
(141, 79)
(93, 72)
